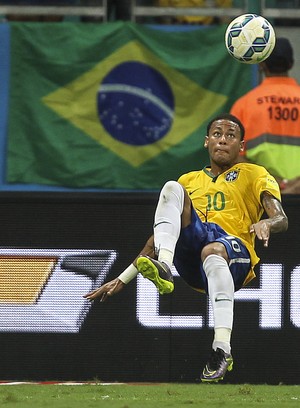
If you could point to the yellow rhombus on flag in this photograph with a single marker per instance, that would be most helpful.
(77, 102)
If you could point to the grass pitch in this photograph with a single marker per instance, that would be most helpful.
(149, 395)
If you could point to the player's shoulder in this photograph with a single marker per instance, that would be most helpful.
(252, 168)
(256, 175)
(190, 175)
(255, 171)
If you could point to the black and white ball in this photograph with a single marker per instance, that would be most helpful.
(250, 38)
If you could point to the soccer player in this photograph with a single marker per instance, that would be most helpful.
(205, 224)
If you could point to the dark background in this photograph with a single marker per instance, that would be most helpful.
(112, 345)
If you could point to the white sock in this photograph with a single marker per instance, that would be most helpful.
(166, 256)
(221, 294)
(222, 339)
(167, 221)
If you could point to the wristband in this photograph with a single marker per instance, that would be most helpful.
(129, 274)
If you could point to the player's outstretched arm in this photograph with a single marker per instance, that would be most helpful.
(108, 289)
(116, 285)
(277, 220)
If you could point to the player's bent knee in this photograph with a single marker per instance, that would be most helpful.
(173, 190)
(214, 248)
(170, 187)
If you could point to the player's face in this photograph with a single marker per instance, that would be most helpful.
(224, 142)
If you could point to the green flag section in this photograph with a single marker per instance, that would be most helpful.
(114, 105)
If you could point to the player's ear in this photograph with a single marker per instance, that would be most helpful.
(206, 141)
(242, 145)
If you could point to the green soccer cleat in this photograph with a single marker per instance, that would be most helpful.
(158, 272)
(217, 365)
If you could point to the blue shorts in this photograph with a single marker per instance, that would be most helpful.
(194, 238)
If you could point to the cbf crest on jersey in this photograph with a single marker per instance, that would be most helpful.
(232, 175)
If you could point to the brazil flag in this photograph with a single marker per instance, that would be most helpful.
(114, 105)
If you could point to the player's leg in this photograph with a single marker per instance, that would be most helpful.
(220, 291)
(173, 207)
(222, 282)
(221, 294)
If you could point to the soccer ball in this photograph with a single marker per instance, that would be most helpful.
(250, 38)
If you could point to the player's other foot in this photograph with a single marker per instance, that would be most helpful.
(217, 365)
(158, 272)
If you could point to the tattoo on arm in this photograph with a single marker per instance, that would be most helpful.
(276, 215)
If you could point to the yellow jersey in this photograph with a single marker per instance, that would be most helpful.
(232, 200)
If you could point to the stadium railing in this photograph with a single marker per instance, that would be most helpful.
(58, 10)
(289, 10)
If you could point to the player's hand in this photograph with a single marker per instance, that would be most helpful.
(108, 289)
(262, 231)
